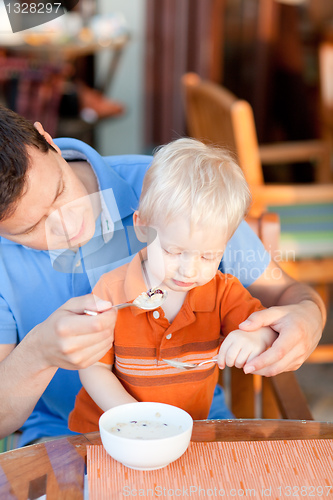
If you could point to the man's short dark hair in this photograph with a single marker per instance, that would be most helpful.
(16, 134)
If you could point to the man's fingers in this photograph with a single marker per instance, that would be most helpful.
(258, 319)
(86, 302)
(76, 325)
(266, 364)
(88, 354)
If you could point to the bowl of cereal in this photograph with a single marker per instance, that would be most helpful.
(145, 436)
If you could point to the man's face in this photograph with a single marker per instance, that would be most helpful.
(181, 259)
(55, 210)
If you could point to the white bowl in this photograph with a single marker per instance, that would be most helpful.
(152, 450)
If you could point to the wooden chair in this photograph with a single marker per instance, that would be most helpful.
(253, 396)
(215, 115)
(325, 61)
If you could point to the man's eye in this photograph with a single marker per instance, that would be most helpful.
(62, 190)
(29, 230)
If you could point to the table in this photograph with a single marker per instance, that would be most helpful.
(56, 468)
(58, 53)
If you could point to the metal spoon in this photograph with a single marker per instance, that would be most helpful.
(188, 366)
(146, 301)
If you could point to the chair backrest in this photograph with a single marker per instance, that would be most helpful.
(326, 88)
(253, 396)
(326, 73)
(215, 115)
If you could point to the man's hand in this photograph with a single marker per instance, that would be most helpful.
(299, 327)
(73, 340)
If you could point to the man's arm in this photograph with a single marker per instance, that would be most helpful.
(296, 312)
(67, 339)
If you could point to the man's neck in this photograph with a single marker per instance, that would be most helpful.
(85, 173)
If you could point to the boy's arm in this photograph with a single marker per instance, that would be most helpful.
(104, 387)
(240, 347)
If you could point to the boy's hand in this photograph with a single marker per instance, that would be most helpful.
(239, 347)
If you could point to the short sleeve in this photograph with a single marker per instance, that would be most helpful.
(245, 256)
(8, 329)
(237, 305)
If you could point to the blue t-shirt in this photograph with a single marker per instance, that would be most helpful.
(34, 283)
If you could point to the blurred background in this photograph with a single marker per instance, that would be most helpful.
(109, 73)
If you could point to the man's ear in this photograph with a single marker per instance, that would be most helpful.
(140, 228)
(46, 136)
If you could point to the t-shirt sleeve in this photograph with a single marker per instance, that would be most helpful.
(245, 256)
(102, 291)
(237, 305)
(8, 328)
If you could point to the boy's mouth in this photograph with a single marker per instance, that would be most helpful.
(183, 283)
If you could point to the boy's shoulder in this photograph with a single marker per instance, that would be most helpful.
(226, 280)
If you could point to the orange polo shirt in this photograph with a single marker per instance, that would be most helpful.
(142, 339)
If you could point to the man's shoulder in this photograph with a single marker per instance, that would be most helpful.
(74, 149)
(115, 276)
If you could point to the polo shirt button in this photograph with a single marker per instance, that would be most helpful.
(168, 336)
(156, 314)
(78, 264)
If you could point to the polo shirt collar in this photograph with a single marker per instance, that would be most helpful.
(200, 299)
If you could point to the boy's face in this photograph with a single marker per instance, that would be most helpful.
(55, 210)
(180, 259)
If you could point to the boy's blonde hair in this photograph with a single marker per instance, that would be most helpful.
(190, 179)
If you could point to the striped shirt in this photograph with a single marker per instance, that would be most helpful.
(142, 339)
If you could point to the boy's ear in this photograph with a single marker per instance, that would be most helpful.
(140, 228)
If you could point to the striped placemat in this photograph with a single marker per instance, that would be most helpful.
(251, 469)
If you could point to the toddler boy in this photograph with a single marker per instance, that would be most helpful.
(193, 198)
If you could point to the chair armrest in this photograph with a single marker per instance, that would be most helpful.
(280, 194)
(322, 354)
(299, 151)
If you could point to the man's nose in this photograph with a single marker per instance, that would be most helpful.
(63, 222)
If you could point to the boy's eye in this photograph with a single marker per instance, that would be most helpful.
(171, 252)
(210, 256)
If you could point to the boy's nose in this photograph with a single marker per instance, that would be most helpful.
(188, 269)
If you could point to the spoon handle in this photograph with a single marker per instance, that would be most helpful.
(116, 306)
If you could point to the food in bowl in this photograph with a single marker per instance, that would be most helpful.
(145, 429)
(145, 435)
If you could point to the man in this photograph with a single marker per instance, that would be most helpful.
(62, 225)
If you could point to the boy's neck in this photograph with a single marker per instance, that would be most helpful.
(173, 304)
(174, 301)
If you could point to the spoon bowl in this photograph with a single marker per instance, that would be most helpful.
(148, 301)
